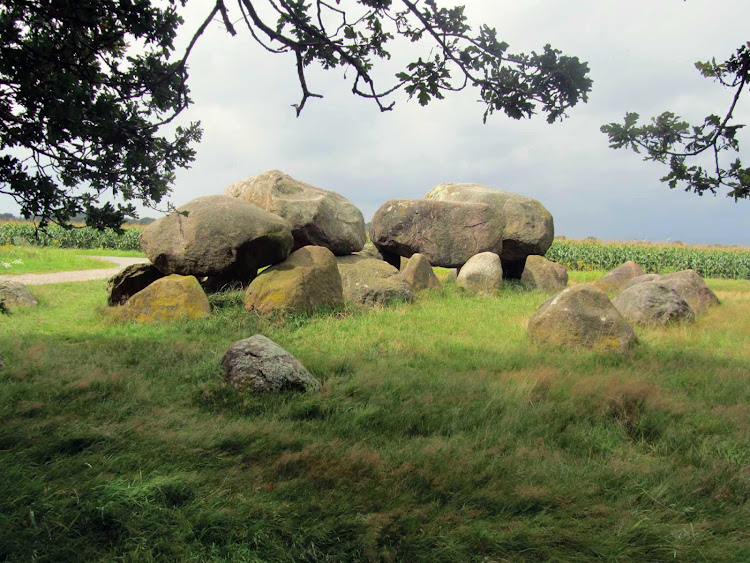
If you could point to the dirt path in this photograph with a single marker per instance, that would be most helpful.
(79, 275)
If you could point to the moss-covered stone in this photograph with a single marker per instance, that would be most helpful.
(170, 298)
(308, 280)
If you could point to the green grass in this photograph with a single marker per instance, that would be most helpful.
(37, 260)
(441, 433)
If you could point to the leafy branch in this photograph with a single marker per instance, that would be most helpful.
(670, 140)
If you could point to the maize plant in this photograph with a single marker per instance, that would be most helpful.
(653, 258)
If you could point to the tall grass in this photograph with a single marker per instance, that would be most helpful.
(441, 433)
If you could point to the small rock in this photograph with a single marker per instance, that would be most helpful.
(618, 278)
(370, 282)
(581, 316)
(544, 274)
(418, 273)
(168, 299)
(132, 279)
(652, 303)
(15, 294)
(308, 280)
(483, 273)
(259, 365)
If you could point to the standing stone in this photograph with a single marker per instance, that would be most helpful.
(418, 273)
(217, 236)
(652, 303)
(482, 274)
(447, 233)
(259, 365)
(15, 294)
(168, 299)
(544, 274)
(317, 217)
(308, 280)
(129, 281)
(527, 226)
(581, 316)
(691, 287)
(618, 278)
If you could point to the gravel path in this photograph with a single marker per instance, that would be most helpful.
(79, 275)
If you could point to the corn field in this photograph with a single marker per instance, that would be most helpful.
(653, 258)
(573, 254)
(76, 237)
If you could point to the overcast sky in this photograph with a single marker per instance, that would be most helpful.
(641, 55)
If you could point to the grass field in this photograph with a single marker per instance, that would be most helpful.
(42, 259)
(441, 434)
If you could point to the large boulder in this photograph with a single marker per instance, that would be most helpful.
(217, 236)
(527, 226)
(483, 274)
(618, 278)
(370, 281)
(167, 299)
(447, 233)
(260, 365)
(15, 294)
(129, 281)
(317, 217)
(581, 316)
(652, 303)
(418, 273)
(691, 287)
(544, 274)
(308, 280)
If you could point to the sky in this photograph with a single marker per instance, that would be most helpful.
(641, 55)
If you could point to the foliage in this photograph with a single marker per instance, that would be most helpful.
(77, 237)
(441, 434)
(653, 258)
(670, 140)
(87, 86)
